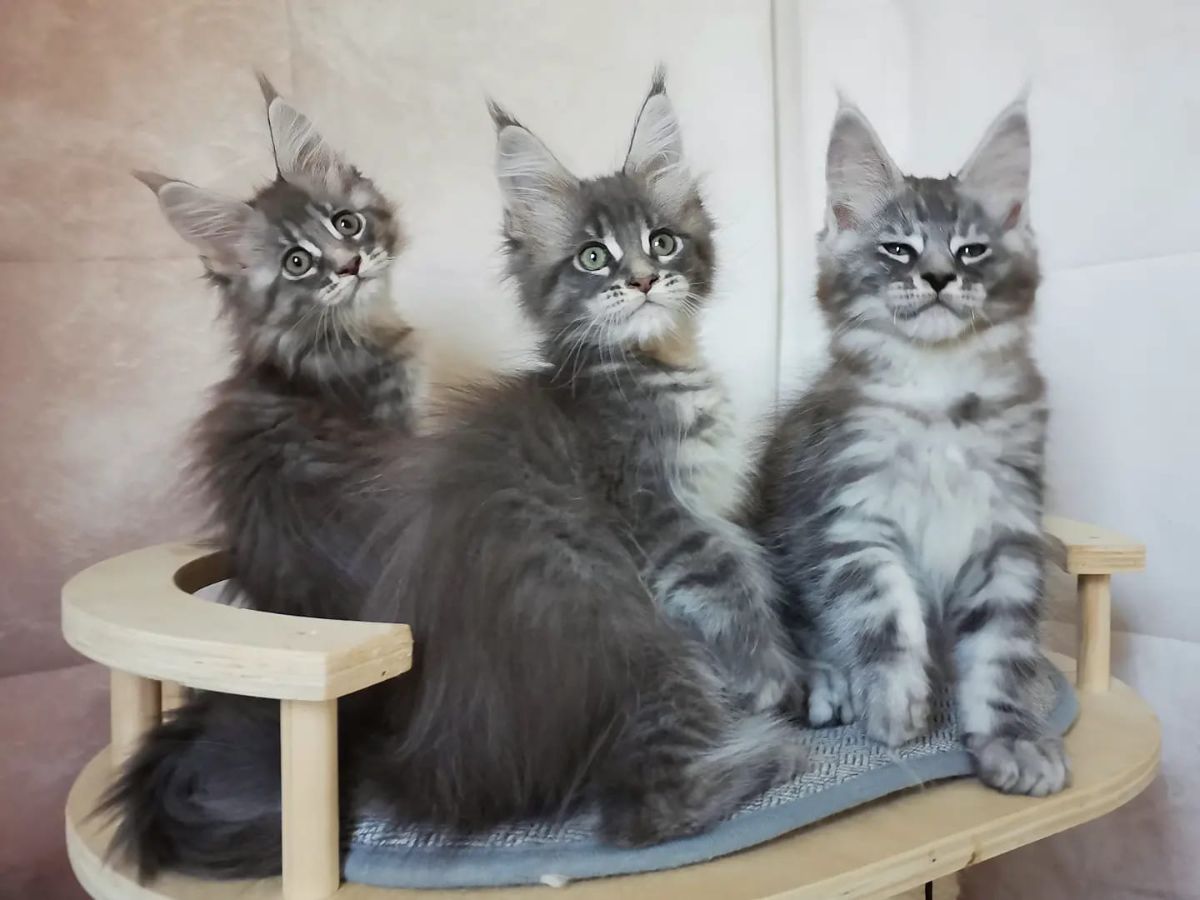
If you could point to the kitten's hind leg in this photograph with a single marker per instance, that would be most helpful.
(997, 658)
(687, 759)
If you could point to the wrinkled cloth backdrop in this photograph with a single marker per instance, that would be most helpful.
(107, 338)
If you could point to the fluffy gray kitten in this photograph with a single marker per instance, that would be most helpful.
(320, 399)
(902, 493)
(324, 377)
(564, 549)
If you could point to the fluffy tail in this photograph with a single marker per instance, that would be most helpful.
(201, 795)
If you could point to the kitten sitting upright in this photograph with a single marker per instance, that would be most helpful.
(324, 377)
(902, 494)
(565, 550)
(290, 453)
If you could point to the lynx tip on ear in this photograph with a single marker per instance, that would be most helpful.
(264, 83)
(152, 180)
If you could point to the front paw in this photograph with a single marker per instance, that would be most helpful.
(824, 696)
(894, 705)
(1036, 767)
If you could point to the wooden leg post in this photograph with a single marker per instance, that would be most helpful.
(940, 889)
(311, 851)
(134, 708)
(1095, 633)
(172, 696)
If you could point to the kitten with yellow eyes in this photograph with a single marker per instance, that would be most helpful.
(325, 373)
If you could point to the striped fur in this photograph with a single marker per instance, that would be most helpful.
(563, 547)
(902, 493)
(325, 378)
(589, 626)
(289, 456)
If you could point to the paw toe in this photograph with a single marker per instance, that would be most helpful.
(1034, 767)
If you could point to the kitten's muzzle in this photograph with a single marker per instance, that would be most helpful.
(914, 311)
(352, 267)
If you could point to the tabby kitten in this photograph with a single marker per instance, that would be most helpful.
(564, 551)
(579, 600)
(320, 398)
(903, 492)
(615, 271)
(325, 374)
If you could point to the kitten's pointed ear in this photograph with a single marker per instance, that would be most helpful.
(301, 154)
(536, 187)
(224, 230)
(860, 176)
(997, 174)
(656, 148)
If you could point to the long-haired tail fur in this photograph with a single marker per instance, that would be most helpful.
(201, 795)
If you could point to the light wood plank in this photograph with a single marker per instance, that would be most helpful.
(173, 696)
(1095, 632)
(135, 613)
(134, 706)
(1083, 549)
(309, 767)
(876, 851)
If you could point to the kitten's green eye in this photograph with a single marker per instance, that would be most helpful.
(347, 223)
(663, 243)
(973, 252)
(898, 251)
(593, 257)
(297, 262)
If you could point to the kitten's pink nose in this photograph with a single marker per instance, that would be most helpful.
(643, 283)
(351, 268)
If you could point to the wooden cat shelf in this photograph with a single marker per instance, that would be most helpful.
(137, 615)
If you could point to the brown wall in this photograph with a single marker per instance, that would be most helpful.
(107, 337)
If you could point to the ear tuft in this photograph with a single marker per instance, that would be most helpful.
(860, 176)
(656, 147)
(152, 180)
(225, 231)
(536, 187)
(997, 174)
(501, 117)
(658, 80)
(301, 155)
(268, 90)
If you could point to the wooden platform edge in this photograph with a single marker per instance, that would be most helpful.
(918, 836)
(136, 613)
(1081, 548)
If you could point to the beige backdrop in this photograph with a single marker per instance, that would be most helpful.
(108, 338)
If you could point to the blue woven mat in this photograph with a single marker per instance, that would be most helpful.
(846, 769)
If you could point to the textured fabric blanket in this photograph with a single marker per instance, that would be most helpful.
(846, 769)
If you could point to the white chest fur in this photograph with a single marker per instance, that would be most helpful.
(712, 462)
(943, 477)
